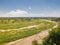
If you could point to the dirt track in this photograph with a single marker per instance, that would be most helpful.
(28, 40)
(20, 28)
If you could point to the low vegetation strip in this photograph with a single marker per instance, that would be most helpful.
(19, 28)
(12, 24)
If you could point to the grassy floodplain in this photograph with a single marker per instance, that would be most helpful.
(13, 35)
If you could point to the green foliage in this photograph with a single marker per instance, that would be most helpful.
(13, 24)
(35, 42)
(18, 23)
(53, 38)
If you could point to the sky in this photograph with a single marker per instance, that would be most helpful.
(29, 8)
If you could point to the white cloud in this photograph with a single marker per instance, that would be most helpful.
(52, 14)
(14, 13)
(47, 14)
(22, 13)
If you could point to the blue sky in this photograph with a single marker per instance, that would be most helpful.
(27, 8)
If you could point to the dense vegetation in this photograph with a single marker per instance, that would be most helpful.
(53, 38)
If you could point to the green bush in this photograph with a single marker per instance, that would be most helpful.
(53, 38)
(35, 42)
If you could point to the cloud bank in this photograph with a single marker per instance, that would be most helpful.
(14, 13)
(23, 13)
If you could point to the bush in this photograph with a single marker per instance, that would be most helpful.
(35, 42)
(53, 38)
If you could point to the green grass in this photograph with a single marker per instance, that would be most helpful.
(19, 24)
(13, 35)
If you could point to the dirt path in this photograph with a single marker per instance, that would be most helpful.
(28, 40)
(25, 27)
(20, 28)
